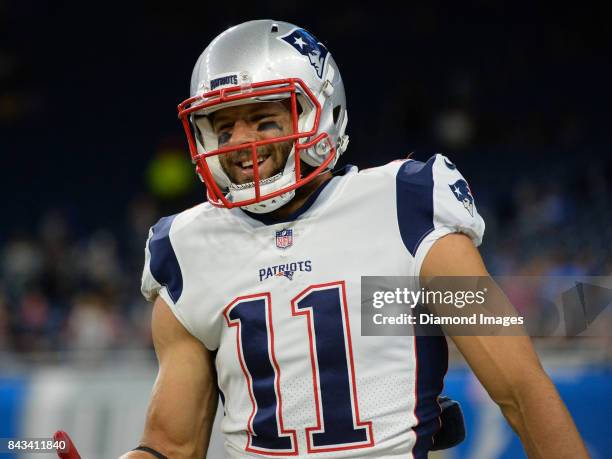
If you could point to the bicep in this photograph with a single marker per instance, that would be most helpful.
(184, 398)
(453, 255)
(503, 364)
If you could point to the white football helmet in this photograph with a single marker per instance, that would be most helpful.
(262, 61)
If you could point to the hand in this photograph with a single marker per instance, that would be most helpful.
(70, 451)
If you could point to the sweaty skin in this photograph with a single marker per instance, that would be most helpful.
(184, 399)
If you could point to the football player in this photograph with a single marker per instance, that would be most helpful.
(257, 291)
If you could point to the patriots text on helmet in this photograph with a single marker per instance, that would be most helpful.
(224, 81)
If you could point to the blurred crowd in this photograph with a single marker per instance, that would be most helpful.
(547, 221)
(60, 291)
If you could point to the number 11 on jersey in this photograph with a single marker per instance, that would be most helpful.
(338, 426)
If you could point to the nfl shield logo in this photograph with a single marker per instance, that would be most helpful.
(284, 238)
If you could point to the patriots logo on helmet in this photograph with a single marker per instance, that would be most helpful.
(449, 164)
(462, 192)
(307, 45)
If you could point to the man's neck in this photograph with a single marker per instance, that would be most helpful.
(301, 196)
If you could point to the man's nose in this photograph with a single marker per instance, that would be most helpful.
(242, 132)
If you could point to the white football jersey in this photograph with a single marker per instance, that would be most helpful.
(279, 303)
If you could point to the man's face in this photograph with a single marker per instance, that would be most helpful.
(249, 123)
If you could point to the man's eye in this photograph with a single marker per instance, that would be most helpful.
(223, 138)
(266, 125)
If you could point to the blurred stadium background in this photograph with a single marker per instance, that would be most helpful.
(92, 154)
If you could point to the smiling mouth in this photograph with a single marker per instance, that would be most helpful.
(249, 164)
(245, 168)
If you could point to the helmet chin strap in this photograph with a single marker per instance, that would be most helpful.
(283, 179)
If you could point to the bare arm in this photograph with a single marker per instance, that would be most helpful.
(508, 367)
(184, 399)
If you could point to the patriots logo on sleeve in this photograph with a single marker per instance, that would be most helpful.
(307, 45)
(462, 192)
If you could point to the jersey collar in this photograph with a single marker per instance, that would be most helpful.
(266, 220)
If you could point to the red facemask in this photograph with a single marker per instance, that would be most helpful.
(209, 100)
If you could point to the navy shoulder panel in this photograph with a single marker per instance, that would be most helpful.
(164, 264)
(415, 208)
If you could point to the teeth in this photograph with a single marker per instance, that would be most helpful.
(249, 163)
